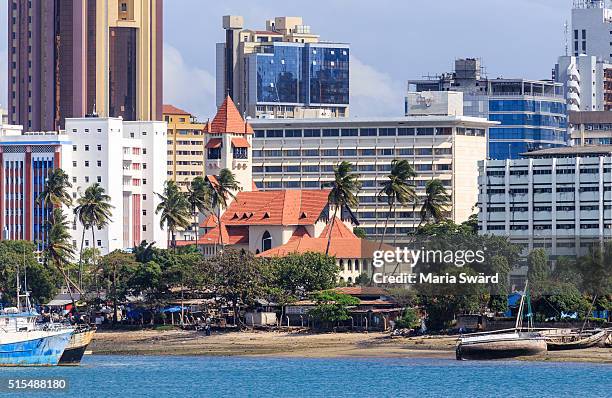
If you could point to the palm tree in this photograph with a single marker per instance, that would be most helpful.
(199, 198)
(221, 191)
(56, 188)
(174, 209)
(343, 192)
(436, 201)
(93, 211)
(398, 189)
(59, 249)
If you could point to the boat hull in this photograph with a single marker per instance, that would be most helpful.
(36, 348)
(501, 349)
(76, 347)
(577, 343)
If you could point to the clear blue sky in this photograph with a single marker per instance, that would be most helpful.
(391, 41)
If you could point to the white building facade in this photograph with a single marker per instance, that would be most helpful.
(585, 80)
(591, 27)
(127, 159)
(556, 199)
(301, 154)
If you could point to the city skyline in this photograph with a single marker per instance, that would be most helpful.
(377, 84)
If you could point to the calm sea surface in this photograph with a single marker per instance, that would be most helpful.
(178, 377)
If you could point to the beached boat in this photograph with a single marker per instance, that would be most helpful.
(576, 341)
(78, 344)
(502, 344)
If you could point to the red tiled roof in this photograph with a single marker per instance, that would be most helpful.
(232, 235)
(211, 221)
(240, 142)
(214, 143)
(168, 109)
(299, 233)
(291, 207)
(340, 230)
(254, 187)
(361, 290)
(213, 179)
(228, 120)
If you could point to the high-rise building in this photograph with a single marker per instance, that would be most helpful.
(127, 158)
(532, 113)
(284, 71)
(70, 58)
(302, 154)
(185, 146)
(588, 82)
(591, 27)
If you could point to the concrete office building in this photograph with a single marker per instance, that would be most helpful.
(284, 71)
(590, 128)
(294, 154)
(588, 82)
(559, 199)
(128, 159)
(591, 32)
(531, 112)
(185, 146)
(68, 58)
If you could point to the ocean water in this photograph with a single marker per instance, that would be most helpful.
(180, 377)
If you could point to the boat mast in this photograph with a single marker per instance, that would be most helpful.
(519, 316)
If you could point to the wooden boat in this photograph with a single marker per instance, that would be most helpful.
(502, 345)
(508, 343)
(77, 345)
(576, 341)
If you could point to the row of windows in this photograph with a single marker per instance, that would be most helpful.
(547, 208)
(330, 168)
(542, 227)
(565, 189)
(317, 184)
(277, 153)
(365, 132)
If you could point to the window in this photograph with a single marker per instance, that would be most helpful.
(266, 241)
(144, 212)
(144, 228)
(99, 179)
(144, 197)
(74, 148)
(99, 163)
(99, 147)
(87, 179)
(99, 242)
(87, 163)
(74, 163)
(312, 133)
(144, 181)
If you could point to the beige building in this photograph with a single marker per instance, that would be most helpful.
(590, 128)
(185, 146)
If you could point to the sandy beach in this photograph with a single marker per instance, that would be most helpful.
(294, 344)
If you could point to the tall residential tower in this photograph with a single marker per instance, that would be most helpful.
(284, 71)
(70, 58)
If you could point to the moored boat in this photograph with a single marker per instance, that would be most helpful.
(79, 341)
(24, 343)
(504, 343)
(576, 341)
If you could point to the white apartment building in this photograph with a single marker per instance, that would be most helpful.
(587, 80)
(128, 159)
(294, 154)
(591, 32)
(558, 199)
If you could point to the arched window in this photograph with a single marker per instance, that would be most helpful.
(266, 241)
(342, 265)
(356, 265)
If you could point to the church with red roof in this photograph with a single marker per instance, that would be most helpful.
(271, 223)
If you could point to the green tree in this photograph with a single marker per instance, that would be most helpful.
(343, 194)
(93, 211)
(298, 274)
(41, 281)
(596, 271)
(409, 320)
(59, 250)
(397, 189)
(332, 307)
(538, 270)
(174, 209)
(199, 198)
(360, 233)
(222, 190)
(55, 191)
(435, 203)
(117, 267)
(237, 278)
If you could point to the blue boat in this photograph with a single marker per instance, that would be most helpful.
(25, 343)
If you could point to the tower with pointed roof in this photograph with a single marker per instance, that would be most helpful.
(228, 145)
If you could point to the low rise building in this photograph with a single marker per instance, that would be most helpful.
(590, 128)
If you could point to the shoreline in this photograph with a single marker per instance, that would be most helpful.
(283, 344)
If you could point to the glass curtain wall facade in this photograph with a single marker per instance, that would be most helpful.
(526, 125)
(299, 75)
